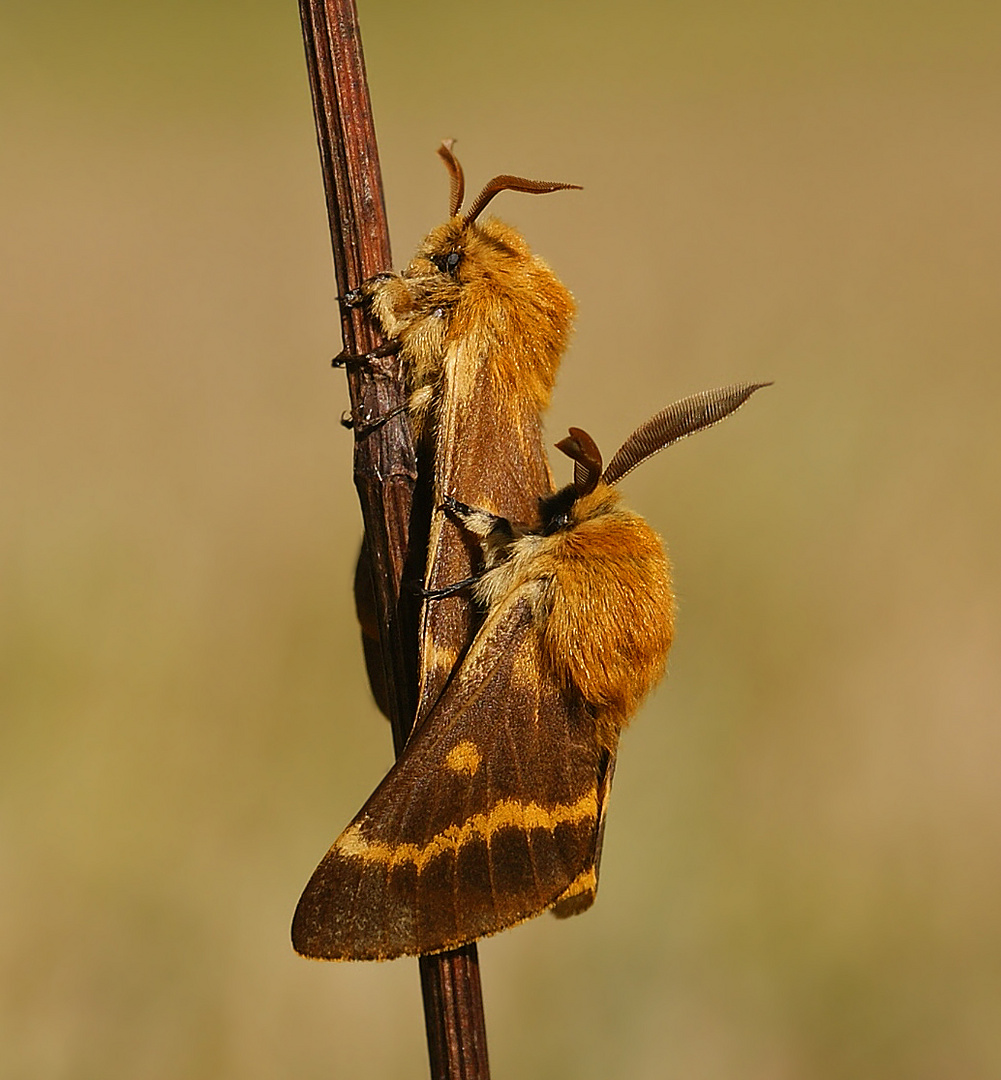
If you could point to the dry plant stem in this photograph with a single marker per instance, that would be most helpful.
(451, 984)
(385, 468)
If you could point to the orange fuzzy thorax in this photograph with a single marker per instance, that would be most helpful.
(611, 615)
(603, 604)
(502, 307)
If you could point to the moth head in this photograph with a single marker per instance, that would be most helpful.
(455, 250)
(591, 491)
(586, 495)
(442, 254)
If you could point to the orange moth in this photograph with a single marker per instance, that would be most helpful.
(480, 323)
(494, 811)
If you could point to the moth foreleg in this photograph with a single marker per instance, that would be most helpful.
(363, 425)
(496, 533)
(447, 590)
(380, 352)
(479, 522)
(357, 297)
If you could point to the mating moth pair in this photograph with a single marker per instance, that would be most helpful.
(547, 616)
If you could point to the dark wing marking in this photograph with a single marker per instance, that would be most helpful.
(583, 890)
(489, 816)
(368, 620)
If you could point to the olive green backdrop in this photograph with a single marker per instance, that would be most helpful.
(801, 877)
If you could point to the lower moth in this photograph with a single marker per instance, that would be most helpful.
(494, 812)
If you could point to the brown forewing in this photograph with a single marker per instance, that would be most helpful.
(489, 454)
(582, 892)
(489, 817)
(365, 609)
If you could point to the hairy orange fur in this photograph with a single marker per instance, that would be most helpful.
(503, 308)
(610, 619)
(603, 604)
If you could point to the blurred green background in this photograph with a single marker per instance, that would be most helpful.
(801, 877)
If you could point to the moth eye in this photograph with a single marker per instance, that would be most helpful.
(447, 264)
(557, 523)
(556, 511)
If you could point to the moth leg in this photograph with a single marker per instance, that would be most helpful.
(352, 298)
(496, 534)
(479, 522)
(346, 359)
(447, 590)
(365, 425)
(356, 297)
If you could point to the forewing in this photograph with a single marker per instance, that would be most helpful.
(582, 891)
(489, 816)
(488, 454)
(368, 620)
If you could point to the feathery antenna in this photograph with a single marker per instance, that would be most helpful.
(683, 418)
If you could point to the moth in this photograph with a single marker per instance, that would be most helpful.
(494, 812)
(480, 324)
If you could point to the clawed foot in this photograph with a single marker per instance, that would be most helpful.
(356, 297)
(363, 425)
(490, 527)
(439, 594)
(380, 352)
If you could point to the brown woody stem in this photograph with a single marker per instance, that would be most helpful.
(385, 467)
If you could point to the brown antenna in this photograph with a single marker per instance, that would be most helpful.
(586, 457)
(458, 189)
(512, 183)
(684, 417)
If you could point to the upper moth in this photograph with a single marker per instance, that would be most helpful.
(480, 324)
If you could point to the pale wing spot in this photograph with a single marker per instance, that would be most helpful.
(440, 657)
(438, 663)
(351, 841)
(508, 813)
(578, 896)
(464, 757)
(585, 881)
